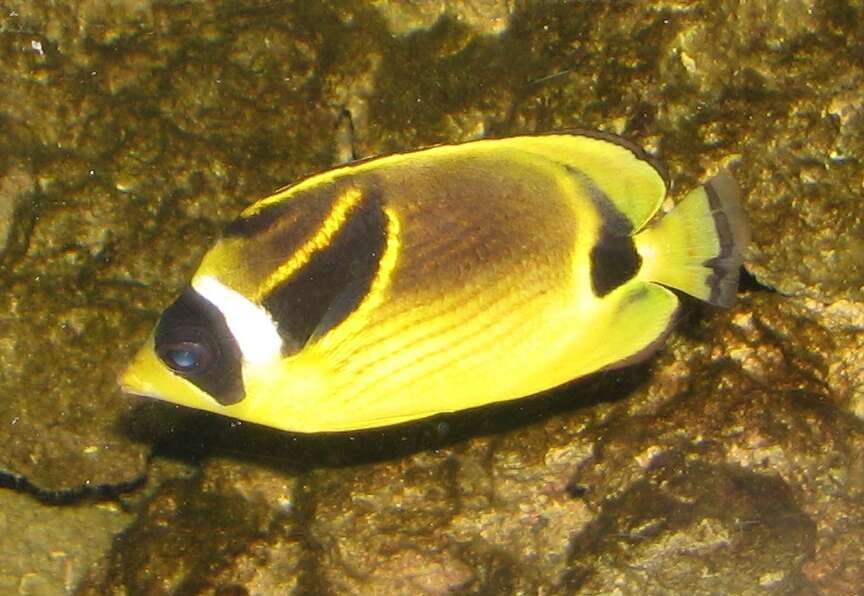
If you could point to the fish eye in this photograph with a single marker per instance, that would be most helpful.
(187, 357)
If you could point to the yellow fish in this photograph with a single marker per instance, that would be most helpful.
(396, 288)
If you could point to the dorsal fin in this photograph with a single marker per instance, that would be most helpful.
(623, 172)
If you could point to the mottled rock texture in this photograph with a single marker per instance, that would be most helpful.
(45, 549)
(130, 132)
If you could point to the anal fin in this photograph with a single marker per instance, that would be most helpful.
(630, 326)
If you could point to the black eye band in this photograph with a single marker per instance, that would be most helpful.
(193, 340)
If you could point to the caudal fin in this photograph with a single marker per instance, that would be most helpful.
(699, 246)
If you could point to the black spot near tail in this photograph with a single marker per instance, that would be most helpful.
(614, 261)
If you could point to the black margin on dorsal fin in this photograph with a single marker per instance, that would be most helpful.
(638, 151)
(333, 283)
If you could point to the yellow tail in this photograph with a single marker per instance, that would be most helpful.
(699, 246)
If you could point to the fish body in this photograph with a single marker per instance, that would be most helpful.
(400, 287)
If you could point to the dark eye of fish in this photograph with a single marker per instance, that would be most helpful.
(192, 340)
(187, 357)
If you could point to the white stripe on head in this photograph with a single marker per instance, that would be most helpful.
(253, 328)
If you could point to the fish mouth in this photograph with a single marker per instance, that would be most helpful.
(131, 384)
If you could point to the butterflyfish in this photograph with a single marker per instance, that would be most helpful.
(396, 288)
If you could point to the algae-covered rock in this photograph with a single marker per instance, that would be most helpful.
(788, 110)
(730, 463)
(135, 133)
(232, 528)
(45, 549)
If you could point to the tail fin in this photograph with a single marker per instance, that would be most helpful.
(698, 247)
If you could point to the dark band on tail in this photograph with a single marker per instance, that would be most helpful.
(732, 235)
